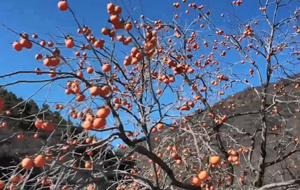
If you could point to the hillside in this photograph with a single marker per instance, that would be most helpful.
(239, 132)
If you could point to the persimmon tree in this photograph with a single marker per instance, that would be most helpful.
(165, 88)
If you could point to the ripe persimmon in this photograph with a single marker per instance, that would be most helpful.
(38, 56)
(154, 130)
(94, 90)
(127, 40)
(214, 159)
(128, 26)
(203, 175)
(234, 153)
(196, 181)
(105, 31)
(118, 10)
(235, 158)
(80, 97)
(98, 44)
(88, 165)
(50, 44)
(88, 140)
(99, 123)
(63, 5)
(39, 161)
(27, 163)
(26, 43)
(24, 35)
(68, 91)
(160, 126)
(119, 25)
(110, 8)
(104, 91)
(103, 112)
(48, 126)
(20, 137)
(175, 155)
(43, 43)
(48, 62)
(159, 91)
(17, 46)
(77, 53)
(134, 61)
(52, 73)
(15, 178)
(112, 33)
(38, 124)
(55, 61)
(69, 43)
(80, 74)
(62, 158)
(120, 38)
(87, 125)
(90, 70)
(106, 67)
(114, 19)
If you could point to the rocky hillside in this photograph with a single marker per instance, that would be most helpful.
(242, 130)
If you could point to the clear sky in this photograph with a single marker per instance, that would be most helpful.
(43, 18)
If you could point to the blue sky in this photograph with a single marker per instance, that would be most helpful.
(43, 17)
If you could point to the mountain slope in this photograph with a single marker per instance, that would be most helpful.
(196, 139)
